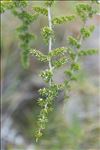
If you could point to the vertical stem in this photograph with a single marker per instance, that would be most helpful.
(50, 26)
(50, 39)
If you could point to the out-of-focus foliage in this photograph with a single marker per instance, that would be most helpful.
(62, 136)
(11, 4)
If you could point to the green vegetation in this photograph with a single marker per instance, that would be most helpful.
(55, 57)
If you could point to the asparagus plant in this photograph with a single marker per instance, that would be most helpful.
(57, 57)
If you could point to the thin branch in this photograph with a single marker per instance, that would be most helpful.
(50, 39)
(76, 57)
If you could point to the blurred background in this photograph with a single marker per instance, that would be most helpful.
(74, 124)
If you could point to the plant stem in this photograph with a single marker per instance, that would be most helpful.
(50, 39)
(76, 57)
(49, 48)
(80, 42)
(50, 64)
